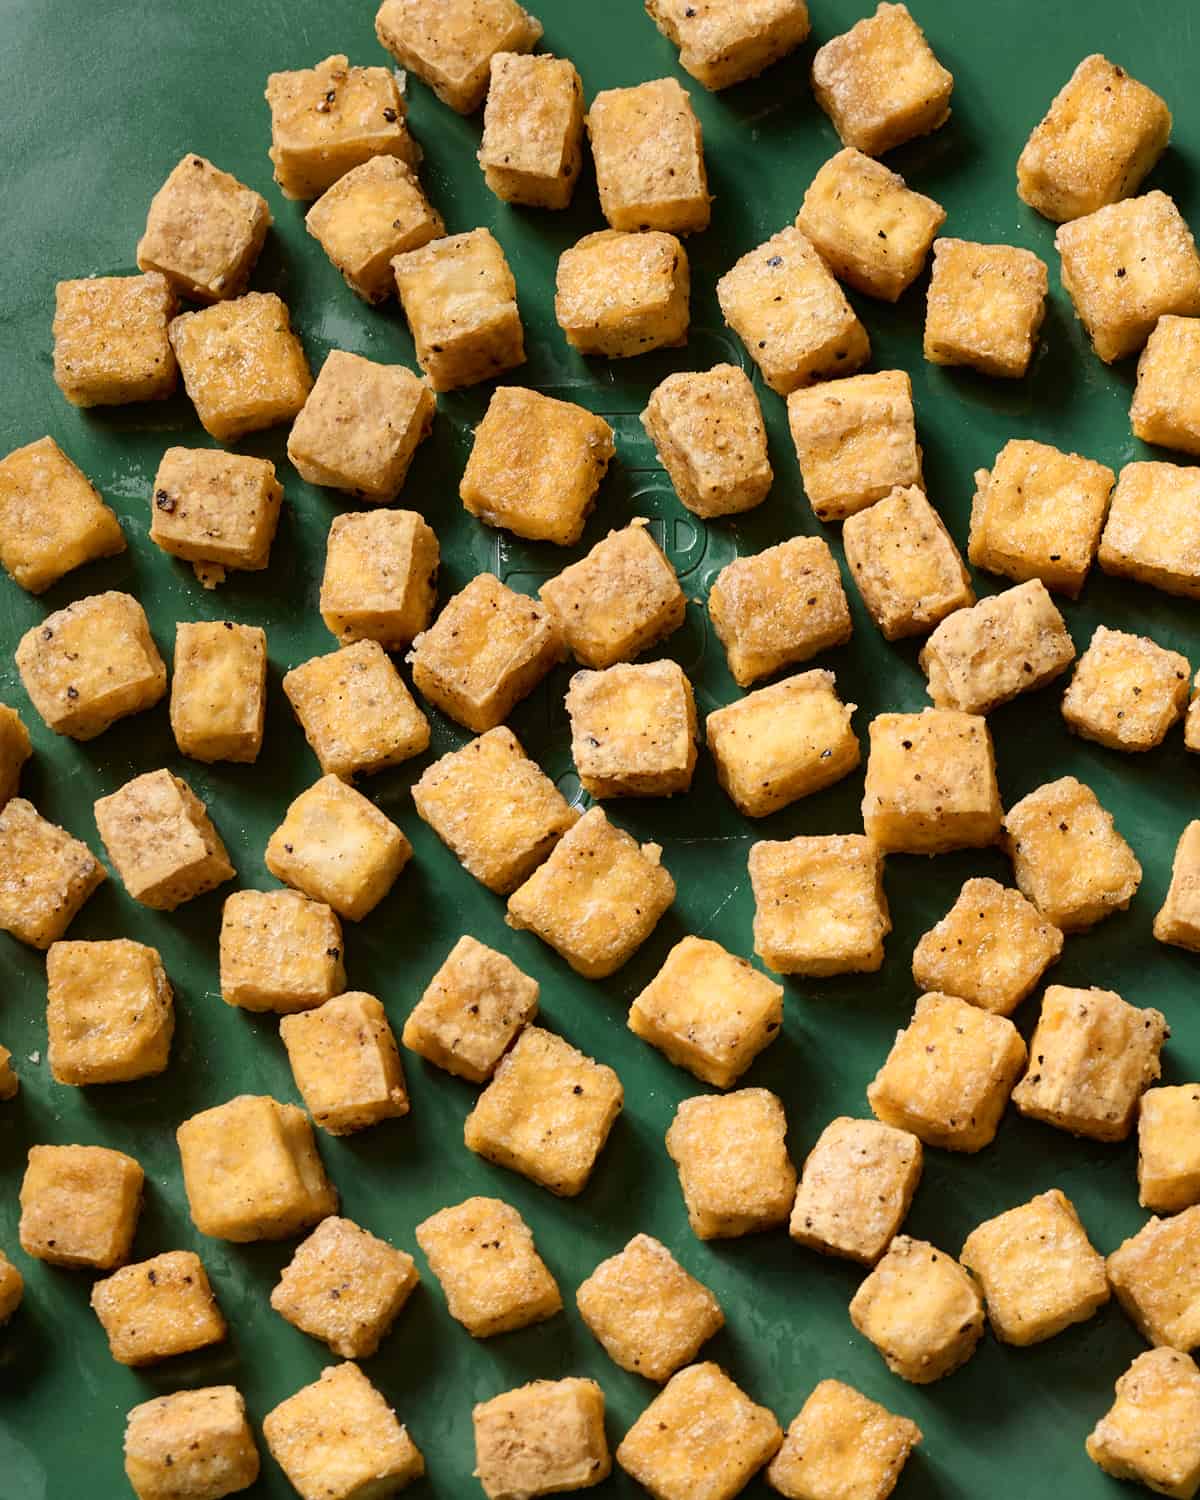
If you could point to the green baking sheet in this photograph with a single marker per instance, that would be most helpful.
(102, 98)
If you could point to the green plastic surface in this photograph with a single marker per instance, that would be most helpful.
(103, 98)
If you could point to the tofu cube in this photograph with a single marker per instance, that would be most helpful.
(380, 578)
(12, 1289)
(842, 1446)
(649, 1314)
(541, 1439)
(346, 1063)
(532, 146)
(1153, 529)
(1178, 919)
(904, 561)
(356, 712)
(10, 1087)
(52, 518)
(80, 1206)
(158, 1308)
(620, 294)
(377, 211)
(856, 441)
(110, 339)
(597, 898)
(949, 1074)
(251, 1170)
(1169, 1148)
(707, 429)
(471, 1010)
(1151, 1433)
(45, 875)
(204, 231)
(216, 507)
(855, 1189)
(921, 1310)
(633, 729)
(984, 306)
(546, 1113)
(649, 154)
(1127, 691)
(15, 749)
(1165, 409)
(279, 952)
(727, 41)
(1037, 1269)
(1154, 1274)
(450, 45)
(931, 783)
(345, 1287)
(1191, 724)
(161, 841)
(109, 1012)
(734, 1169)
(535, 465)
(219, 690)
(195, 1443)
(819, 905)
(484, 1258)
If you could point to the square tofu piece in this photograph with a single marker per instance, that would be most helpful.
(251, 1170)
(450, 44)
(855, 1189)
(345, 1287)
(541, 1439)
(597, 898)
(921, 1310)
(649, 154)
(471, 1010)
(90, 664)
(707, 429)
(161, 841)
(158, 1308)
(734, 1169)
(380, 579)
(872, 230)
(949, 1074)
(460, 299)
(1191, 724)
(15, 749)
(80, 1206)
(346, 1063)
(904, 561)
(52, 518)
(377, 211)
(535, 465)
(1155, 1276)
(1151, 1433)
(650, 1315)
(532, 146)
(708, 1011)
(219, 690)
(10, 1087)
(633, 729)
(12, 1289)
(355, 710)
(546, 1113)
(819, 905)
(279, 952)
(109, 1012)
(1127, 691)
(1102, 134)
(243, 366)
(931, 783)
(1153, 528)
(45, 875)
(1165, 407)
(110, 339)
(1067, 856)
(1178, 919)
(727, 41)
(984, 307)
(856, 441)
(1169, 1148)
(842, 1446)
(484, 1258)
(488, 649)
(204, 231)
(621, 294)
(1091, 1057)
(216, 507)
(337, 847)
(194, 1443)
(1037, 1269)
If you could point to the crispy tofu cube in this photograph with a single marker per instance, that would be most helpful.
(159, 836)
(708, 432)
(597, 898)
(216, 507)
(819, 905)
(450, 44)
(856, 441)
(279, 952)
(10, 1087)
(708, 1011)
(650, 1315)
(633, 729)
(1067, 856)
(460, 299)
(532, 146)
(727, 41)
(345, 1287)
(12, 1289)
(1127, 691)
(931, 783)
(204, 231)
(734, 1169)
(649, 153)
(984, 307)
(484, 1258)
(110, 339)
(620, 294)
(1169, 1148)
(158, 1308)
(546, 1113)
(196, 1444)
(842, 1446)
(1191, 724)
(1154, 1274)
(471, 1010)
(15, 749)
(346, 1063)
(1165, 408)
(251, 1170)
(535, 465)
(45, 875)
(80, 1206)
(904, 561)
(380, 577)
(109, 1012)
(855, 1189)
(377, 211)
(52, 518)
(1178, 919)
(920, 1309)
(219, 690)
(488, 649)
(541, 1439)
(1151, 1433)
(355, 710)
(1153, 528)
(949, 1074)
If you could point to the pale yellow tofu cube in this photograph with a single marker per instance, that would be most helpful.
(355, 710)
(52, 518)
(216, 507)
(1169, 1148)
(377, 211)
(1166, 409)
(219, 690)
(904, 561)
(204, 231)
(620, 294)
(1151, 1433)
(532, 146)
(1178, 919)
(1153, 528)
(194, 1443)
(110, 1012)
(707, 429)
(819, 905)
(15, 749)
(931, 783)
(110, 339)
(12, 1289)
(734, 1169)
(541, 1439)
(633, 729)
(856, 1186)
(45, 875)
(380, 578)
(10, 1087)
(842, 1446)
(450, 44)
(649, 154)
(984, 306)
(1191, 724)
(279, 952)
(346, 1063)
(726, 41)
(1156, 1276)
(921, 1310)
(1127, 691)
(80, 1206)
(471, 1010)
(161, 841)
(158, 1308)
(484, 1258)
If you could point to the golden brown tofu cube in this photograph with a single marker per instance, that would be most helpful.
(10, 1087)
(620, 294)
(109, 1012)
(855, 1189)
(158, 1308)
(842, 1446)
(80, 1206)
(52, 518)
(355, 710)
(471, 1010)
(904, 561)
(45, 875)
(1169, 1148)
(727, 41)
(346, 1063)
(1165, 407)
(532, 146)
(1178, 919)
(450, 44)
(633, 729)
(15, 749)
(1153, 528)
(949, 1074)
(819, 905)
(216, 507)
(161, 841)
(856, 441)
(649, 154)
(931, 783)
(546, 1113)
(1127, 691)
(219, 690)
(541, 1439)
(1151, 1433)
(1154, 1274)
(110, 339)
(279, 952)
(204, 231)
(380, 577)
(195, 1444)
(377, 211)
(12, 1289)
(484, 1258)
(921, 1310)
(707, 429)
(734, 1169)
(984, 307)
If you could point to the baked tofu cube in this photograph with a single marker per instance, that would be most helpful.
(345, 1287)
(251, 1170)
(15, 749)
(1037, 1269)
(12, 1289)
(819, 905)
(1151, 1433)
(380, 577)
(158, 1308)
(1178, 919)
(855, 1189)
(931, 783)
(541, 1439)
(708, 432)
(90, 664)
(338, 1439)
(1154, 1274)
(52, 518)
(842, 1446)
(1127, 691)
(649, 154)
(219, 690)
(460, 299)
(532, 146)
(204, 231)
(346, 1063)
(337, 847)
(110, 339)
(377, 211)
(920, 1309)
(904, 561)
(873, 231)
(109, 1012)
(1169, 1148)
(597, 898)
(633, 730)
(45, 875)
(161, 841)
(1191, 724)
(484, 1258)
(984, 306)
(535, 465)
(726, 41)
(450, 45)
(1067, 856)
(471, 1010)
(620, 294)
(734, 1169)
(355, 710)
(1165, 409)
(80, 1206)
(1153, 528)
(488, 649)
(856, 441)
(650, 1315)
(196, 1444)
(10, 1087)
(216, 507)
(279, 952)
(546, 1113)
(708, 1011)
(949, 1074)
